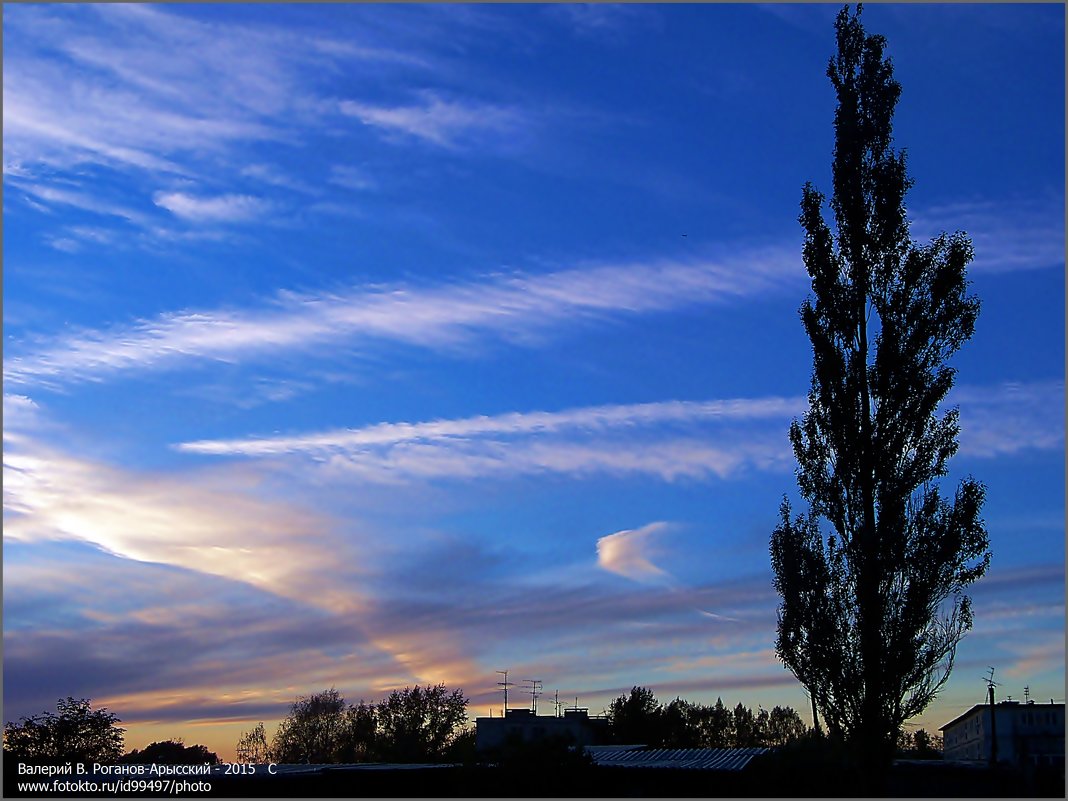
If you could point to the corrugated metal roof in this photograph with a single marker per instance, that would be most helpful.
(688, 758)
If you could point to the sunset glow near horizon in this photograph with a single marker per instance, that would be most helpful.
(365, 346)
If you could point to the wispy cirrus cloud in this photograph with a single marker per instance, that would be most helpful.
(1007, 236)
(512, 306)
(92, 111)
(438, 121)
(590, 418)
(668, 440)
(82, 200)
(219, 85)
(1010, 418)
(221, 208)
(606, 22)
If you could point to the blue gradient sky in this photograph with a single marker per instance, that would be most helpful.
(371, 345)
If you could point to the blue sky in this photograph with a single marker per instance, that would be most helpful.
(360, 346)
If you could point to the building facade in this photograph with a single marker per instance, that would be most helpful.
(523, 726)
(1027, 733)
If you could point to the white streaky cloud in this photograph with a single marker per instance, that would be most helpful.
(512, 306)
(446, 123)
(589, 419)
(606, 21)
(350, 177)
(196, 524)
(80, 200)
(627, 553)
(1011, 417)
(667, 440)
(1024, 235)
(668, 459)
(221, 208)
(273, 176)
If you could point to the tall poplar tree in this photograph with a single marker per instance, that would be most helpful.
(872, 575)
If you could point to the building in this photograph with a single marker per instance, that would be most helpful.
(1027, 733)
(522, 725)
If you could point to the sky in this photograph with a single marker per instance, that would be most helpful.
(362, 346)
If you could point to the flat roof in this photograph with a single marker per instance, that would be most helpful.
(1000, 705)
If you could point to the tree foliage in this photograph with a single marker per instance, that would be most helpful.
(172, 752)
(872, 610)
(252, 747)
(416, 724)
(73, 733)
(640, 718)
(314, 732)
(635, 716)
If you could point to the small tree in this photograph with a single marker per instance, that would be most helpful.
(253, 748)
(74, 733)
(745, 727)
(314, 731)
(636, 718)
(785, 726)
(871, 614)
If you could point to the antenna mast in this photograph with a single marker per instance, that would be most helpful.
(990, 685)
(535, 687)
(506, 684)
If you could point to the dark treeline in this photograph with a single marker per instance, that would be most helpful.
(171, 752)
(640, 718)
(416, 724)
(76, 732)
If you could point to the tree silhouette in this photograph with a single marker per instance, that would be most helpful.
(74, 733)
(418, 724)
(252, 747)
(640, 718)
(172, 752)
(636, 718)
(313, 732)
(871, 615)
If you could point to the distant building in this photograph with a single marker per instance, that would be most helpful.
(522, 725)
(1027, 733)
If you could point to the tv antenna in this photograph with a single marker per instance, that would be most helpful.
(535, 687)
(990, 683)
(506, 684)
(557, 702)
